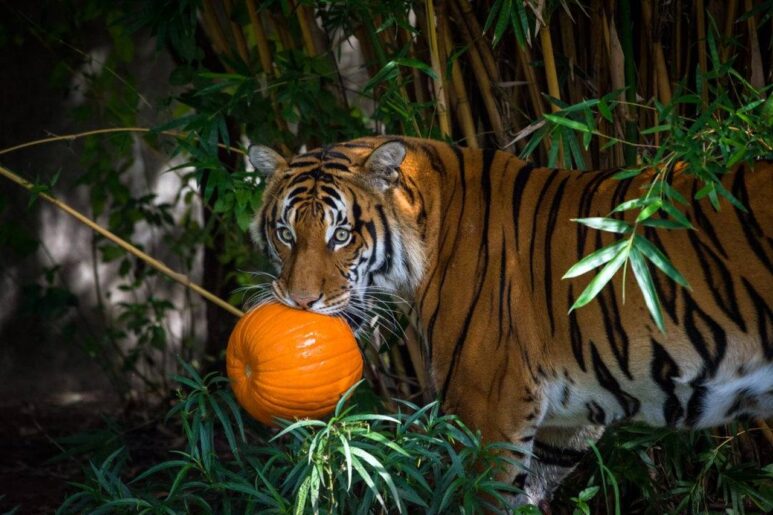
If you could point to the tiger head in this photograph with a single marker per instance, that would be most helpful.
(337, 224)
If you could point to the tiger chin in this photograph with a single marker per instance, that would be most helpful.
(479, 240)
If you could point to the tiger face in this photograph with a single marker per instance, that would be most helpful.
(329, 224)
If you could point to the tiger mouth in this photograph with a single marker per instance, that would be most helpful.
(324, 306)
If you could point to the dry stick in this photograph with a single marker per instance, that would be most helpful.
(486, 89)
(463, 110)
(128, 247)
(113, 130)
(438, 83)
(702, 58)
(757, 78)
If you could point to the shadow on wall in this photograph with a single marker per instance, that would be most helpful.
(52, 325)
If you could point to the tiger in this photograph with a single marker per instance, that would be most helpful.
(478, 241)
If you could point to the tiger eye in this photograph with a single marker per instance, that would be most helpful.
(341, 235)
(285, 235)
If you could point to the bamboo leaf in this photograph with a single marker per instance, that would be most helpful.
(677, 215)
(650, 210)
(379, 467)
(630, 204)
(566, 122)
(601, 279)
(647, 287)
(347, 452)
(660, 223)
(604, 224)
(658, 259)
(594, 259)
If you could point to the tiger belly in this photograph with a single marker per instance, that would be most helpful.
(686, 403)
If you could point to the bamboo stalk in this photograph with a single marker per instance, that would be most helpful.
(279, 23)
(550, 65)
(215, 31)
(617, 78)
(471, 21)
(629, 122)
(569, 46)
(700, 12)
(128, 247)
(479, 69)
(463, 110)
(264, 51)
(732, 7)
(680, 70)
(238, 34)
(757, 78)
(662, 81)
(303, 23)
(438, 83)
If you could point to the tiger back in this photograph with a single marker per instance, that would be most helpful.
(479, 240)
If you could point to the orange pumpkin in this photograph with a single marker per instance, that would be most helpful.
(288, 363)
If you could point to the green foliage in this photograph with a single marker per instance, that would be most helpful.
(359, 460)
(733, 128)
(649, 470)
(355, 462)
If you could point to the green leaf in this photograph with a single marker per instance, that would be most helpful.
(650, 210)
(604, 224)
(595, 259)
(658, 128)
(368, 480)
(415, 63)
(297, 425)
(643, 277)
(301, 495)
(658, 259)
(347, 452)
(630, 204)
(601, 279)
(566, 122)
(377, 465)
(677, 215)
(348, 393)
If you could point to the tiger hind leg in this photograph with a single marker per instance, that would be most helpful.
(557, 450)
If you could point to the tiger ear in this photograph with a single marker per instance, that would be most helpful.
(265, 160)
(382, 165)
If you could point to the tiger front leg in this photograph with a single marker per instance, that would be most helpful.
(514, 420)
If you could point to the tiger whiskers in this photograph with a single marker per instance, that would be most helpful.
(259, 293)
(378, 312)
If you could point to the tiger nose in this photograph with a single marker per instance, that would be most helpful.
(304, 300)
